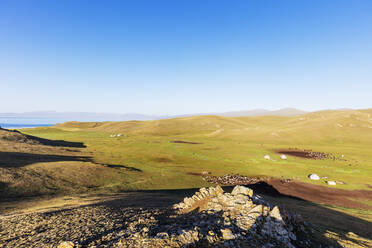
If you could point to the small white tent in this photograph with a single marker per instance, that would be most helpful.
(314, 177)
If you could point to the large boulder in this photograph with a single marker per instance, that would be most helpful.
(242, 190)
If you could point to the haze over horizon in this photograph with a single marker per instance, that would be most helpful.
(171, 58)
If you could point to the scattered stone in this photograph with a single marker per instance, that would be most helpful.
(227, 234)
(314, 177)
(286, 180)
(66, 244)
(210, 218)
(275, 213)
(331, 182)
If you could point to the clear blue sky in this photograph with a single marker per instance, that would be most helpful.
(184, 56)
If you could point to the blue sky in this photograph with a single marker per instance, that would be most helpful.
(190, 56)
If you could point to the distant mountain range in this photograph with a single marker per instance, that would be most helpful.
(77, 116)
(87, 116)
(263, 112)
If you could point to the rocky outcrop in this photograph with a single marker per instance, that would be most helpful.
(214, 218)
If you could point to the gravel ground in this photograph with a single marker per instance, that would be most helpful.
(93, 225)
(97, 224)
(103, 223)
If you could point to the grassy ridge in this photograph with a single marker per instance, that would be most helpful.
(228, 145)
(146, 157)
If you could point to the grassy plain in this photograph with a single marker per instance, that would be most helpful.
(226, 145)
(146, 157)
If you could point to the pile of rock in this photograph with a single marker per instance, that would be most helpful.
(231, 180)
(213, 218)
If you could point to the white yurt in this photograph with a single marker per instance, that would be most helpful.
(314, 177)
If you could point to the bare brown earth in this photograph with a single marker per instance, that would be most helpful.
(163, 160)
(323, 194)
(301, 190)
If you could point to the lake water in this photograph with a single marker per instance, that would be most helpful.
(15, 123)
(23, 125)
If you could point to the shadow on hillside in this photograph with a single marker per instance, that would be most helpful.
(19, 159)
(61, 143)
(321, 217)
(119, 166)
(46, 142)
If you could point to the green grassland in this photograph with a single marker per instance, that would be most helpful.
(227, 145)
(145, 157)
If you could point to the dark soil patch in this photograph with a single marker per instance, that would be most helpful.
(163, 160)
(203, 173)
(323, 194)
(185, 142)
(194, 174)
(296, 189)
(305, 153)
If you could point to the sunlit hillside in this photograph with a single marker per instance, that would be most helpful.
(228, 145)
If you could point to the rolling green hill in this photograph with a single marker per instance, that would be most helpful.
(145, 156)
(84, 157)
(228, 145)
